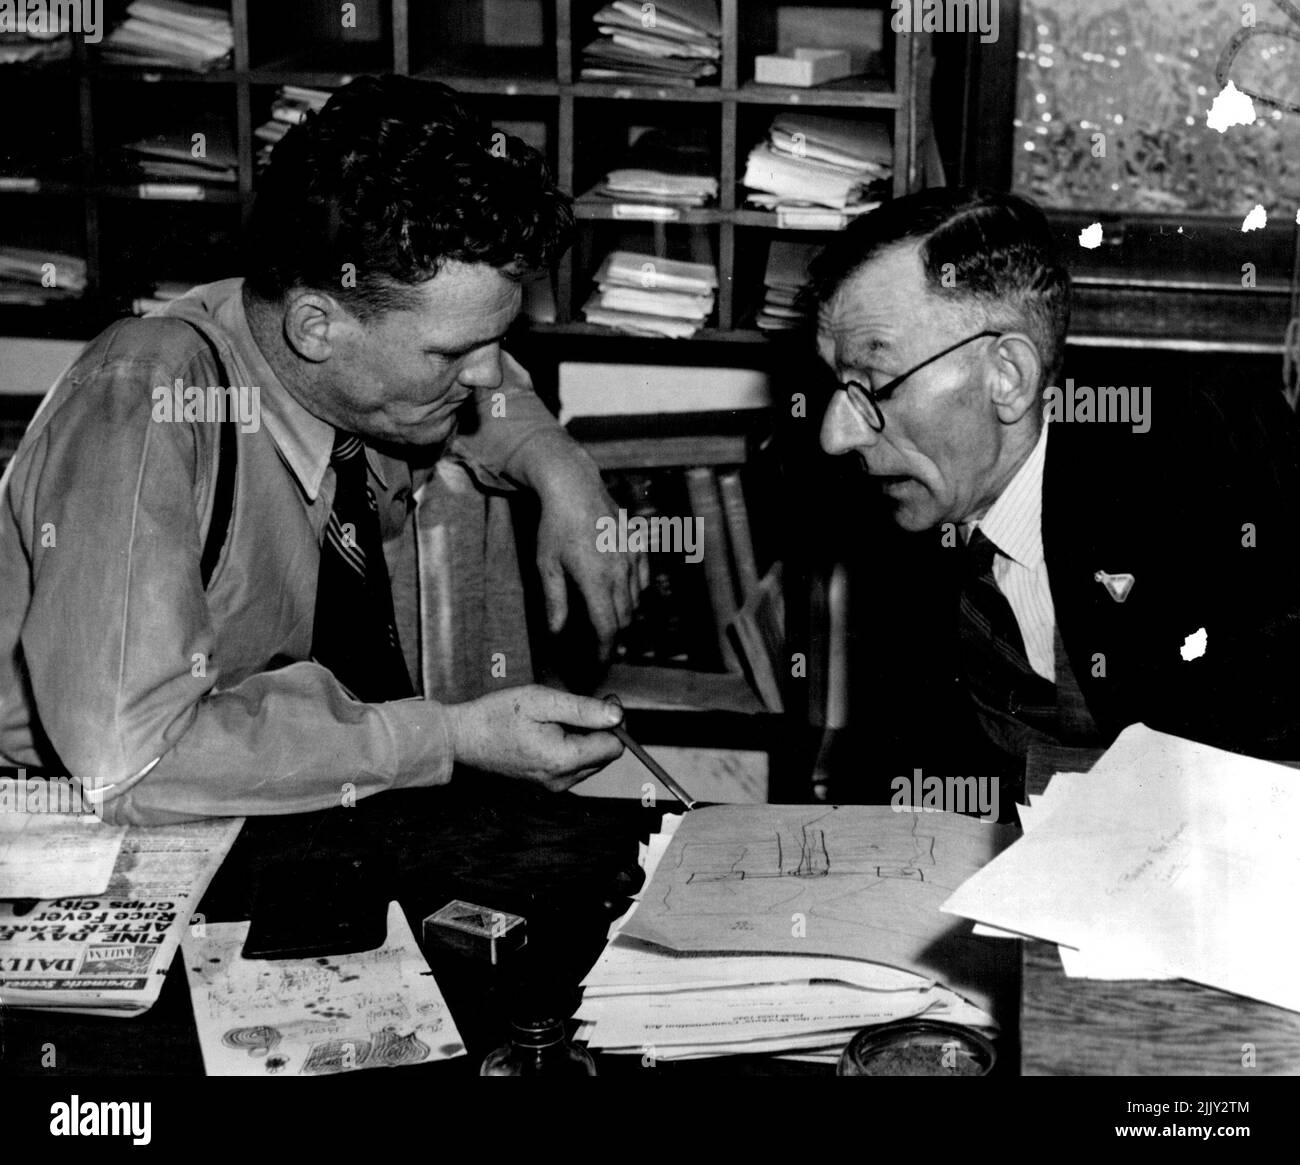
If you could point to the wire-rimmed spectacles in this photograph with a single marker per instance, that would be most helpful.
(866, 400)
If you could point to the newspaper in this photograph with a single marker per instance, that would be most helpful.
(108, 954)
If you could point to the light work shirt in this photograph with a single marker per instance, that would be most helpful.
(171, 702)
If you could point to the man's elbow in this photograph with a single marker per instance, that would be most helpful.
(131, 809)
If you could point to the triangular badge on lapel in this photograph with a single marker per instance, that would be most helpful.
(1118, 585)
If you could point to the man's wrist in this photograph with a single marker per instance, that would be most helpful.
(454, 732)
(548, 460)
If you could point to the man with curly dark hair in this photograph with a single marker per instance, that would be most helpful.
(255, 551)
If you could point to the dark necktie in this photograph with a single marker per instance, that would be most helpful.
(1009, 695)
(355, 633)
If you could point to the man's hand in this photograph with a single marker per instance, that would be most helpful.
(573, 499)
(520, 732)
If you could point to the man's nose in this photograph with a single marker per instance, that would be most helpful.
(482, 369)
(844, 428)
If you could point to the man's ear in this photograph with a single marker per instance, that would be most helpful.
(1016, 371)
(314, 324)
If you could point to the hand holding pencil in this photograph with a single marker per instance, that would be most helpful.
(655, 768)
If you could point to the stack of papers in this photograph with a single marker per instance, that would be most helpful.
(662, 171)
(170, 34)
(38, 34)
(1170, 859)
(32, 277)
(787, 928)
(811, 164)
(784, 284)
(657, 188)
(316, 1017)
(649, 296)
(676, 42)
(202, 153)
(292, 105)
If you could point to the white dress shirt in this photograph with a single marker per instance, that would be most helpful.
(1014, 525)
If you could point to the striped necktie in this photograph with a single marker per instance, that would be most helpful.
(355, 633)
(1014, 702)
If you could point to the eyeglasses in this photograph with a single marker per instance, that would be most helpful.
(867, 401)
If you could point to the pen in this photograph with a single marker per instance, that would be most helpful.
(656, 769)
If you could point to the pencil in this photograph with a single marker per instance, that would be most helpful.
(656, 769)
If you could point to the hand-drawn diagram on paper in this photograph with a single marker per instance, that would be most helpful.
(860, 882)
(802, 852)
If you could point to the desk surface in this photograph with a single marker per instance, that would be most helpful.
(567, 864)
(572, 874)
(1090, 1027)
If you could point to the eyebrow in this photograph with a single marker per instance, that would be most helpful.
(470, 347)
(859, 355)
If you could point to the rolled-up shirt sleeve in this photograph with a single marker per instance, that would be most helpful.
(119, 640)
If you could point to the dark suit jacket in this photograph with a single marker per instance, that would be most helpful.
(1204, 511)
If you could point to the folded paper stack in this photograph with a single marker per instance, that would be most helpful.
(818, 172)
(168, 34)
(649, 296)
(787, 928)
(675, 42)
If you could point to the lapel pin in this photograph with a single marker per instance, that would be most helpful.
(1118, 585)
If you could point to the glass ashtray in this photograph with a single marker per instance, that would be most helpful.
(917, 1047)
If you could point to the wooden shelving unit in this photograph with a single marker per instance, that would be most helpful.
(297, 42)
(61, 186)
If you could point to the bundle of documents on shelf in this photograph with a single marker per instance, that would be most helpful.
(1168, 860)
(673, 42)
(169, 34)
(649, 296)
(787, 928)
(35, 36)
(203, 151)
(818, 171)
(292, 105)
(663, 170)
(657, 188)
(784, 284)
(111, 903)
(36, 277)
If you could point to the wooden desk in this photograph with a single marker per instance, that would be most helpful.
(1091, 1027)
(567, 864)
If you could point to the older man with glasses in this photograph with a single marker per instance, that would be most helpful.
(1088, 561)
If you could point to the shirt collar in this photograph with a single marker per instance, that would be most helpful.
(1014, 521)
(304, 440)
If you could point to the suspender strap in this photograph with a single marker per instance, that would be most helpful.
(223, 498)
(223, 501)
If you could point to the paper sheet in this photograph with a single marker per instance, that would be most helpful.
(817, 1042)
(630, 967)
(313, 1017)
(862, 882)
(1171, 857)
(1095, 963)
(762, 1013)
(56, 855)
